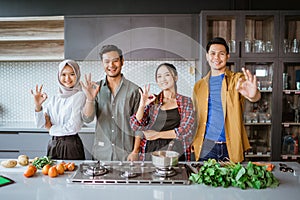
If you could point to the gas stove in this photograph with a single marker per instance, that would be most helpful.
(116, 172)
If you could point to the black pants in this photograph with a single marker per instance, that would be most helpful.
(66, 148)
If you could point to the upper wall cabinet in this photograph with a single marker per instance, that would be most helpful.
(139, 36)
(85, 35)
(32, 38)
(250, 34)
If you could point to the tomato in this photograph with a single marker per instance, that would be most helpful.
(60, 168)
(71, 166)
(29, 172)
(33, 167)
(46, 169)
(52, 172)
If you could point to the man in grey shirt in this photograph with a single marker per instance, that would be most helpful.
(112, 100)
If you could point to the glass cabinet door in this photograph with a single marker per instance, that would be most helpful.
(260, 37)
(289, 80)
(258, 115)
(290, 34)
(223, 26)
(219, 24)
(290, 110)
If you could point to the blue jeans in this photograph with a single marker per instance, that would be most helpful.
(214, 151)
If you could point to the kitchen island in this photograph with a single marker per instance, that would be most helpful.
(42, 187)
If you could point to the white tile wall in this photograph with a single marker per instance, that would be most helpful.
(18, 78)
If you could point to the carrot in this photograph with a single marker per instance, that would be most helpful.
(269, 166)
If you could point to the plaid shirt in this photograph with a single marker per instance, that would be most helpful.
(183, 133)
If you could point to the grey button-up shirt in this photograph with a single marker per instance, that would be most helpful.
(114, 139)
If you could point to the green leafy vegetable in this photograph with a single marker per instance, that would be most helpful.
(236, 175)
(42, 161)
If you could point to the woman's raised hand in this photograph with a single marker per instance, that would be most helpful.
(90, 88)
(146, 97)
(39, 97)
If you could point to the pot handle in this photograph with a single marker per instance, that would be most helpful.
(171, 144)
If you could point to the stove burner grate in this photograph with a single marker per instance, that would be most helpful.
(164, 172)
(128, 174)
(97, 170)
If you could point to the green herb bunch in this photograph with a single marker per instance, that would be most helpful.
(42, 161)
(236, 175)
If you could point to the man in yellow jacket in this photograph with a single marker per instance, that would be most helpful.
(219, 102)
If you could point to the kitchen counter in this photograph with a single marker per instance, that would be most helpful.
(31, 127)
(43, 187)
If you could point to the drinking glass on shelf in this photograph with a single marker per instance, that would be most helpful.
(258, 46)
(285, 80)
(269, 46)
(295, 46)
(286, 46)
(232, 46)
(247, 46)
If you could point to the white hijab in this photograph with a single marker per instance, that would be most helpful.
(63, 91)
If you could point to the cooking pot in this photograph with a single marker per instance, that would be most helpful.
(164, 159)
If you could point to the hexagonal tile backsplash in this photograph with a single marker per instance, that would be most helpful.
(18, 78)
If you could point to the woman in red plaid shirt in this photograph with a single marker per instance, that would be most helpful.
(164, 117)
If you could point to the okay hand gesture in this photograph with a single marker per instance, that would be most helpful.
(146, 97)
(248, 86)
(90, 88)
(39, 97)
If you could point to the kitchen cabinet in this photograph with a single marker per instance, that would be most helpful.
(252, 38)
(34, 144)
(8, 146)
(31, 38)
(139, 36)
(85, 35)
(289, 85)
(13, 144)
(258, 116)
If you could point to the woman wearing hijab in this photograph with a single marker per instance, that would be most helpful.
(62, 113)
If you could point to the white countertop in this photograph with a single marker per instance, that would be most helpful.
(29, 126)
(43, 187)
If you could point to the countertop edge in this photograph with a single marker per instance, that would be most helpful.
(30, 127)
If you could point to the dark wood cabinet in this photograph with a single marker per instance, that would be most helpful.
(288, 126)
(267, 43)
(252, 37)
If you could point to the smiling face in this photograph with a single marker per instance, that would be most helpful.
(112, 63)
(68, 77)
(165, 78)
(217, 58)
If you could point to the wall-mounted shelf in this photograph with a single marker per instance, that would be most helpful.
(31, 38)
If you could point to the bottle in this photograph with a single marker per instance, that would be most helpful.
(285, 80)
(296, 146)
